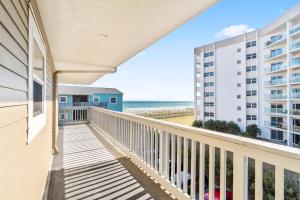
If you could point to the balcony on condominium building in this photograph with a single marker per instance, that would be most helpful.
(276, 82)
(279, 96)
(275, 40)
(282, 111)
(275, 54)
(295, 95)
(278, 125)
(295, 30)
(295, 62)
(295, 47)
(276, 67)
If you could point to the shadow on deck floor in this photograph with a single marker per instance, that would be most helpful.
(93, 169)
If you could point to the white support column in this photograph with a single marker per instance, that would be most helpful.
(258, 180)
(202, 172)
(289, 104)
(211, 172)
(223, 168)
(279, 183)
(193, 169)
(240, 177)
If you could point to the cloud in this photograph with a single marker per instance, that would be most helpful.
(233, 30)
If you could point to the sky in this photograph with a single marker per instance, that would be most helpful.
(165, 70)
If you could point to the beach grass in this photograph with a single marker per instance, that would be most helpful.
(185, 120)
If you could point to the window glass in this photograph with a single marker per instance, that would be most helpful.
(38, 80)
(113, 100)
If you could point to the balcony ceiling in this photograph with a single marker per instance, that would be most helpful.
(99, 35)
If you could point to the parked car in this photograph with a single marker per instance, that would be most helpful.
(229, 195)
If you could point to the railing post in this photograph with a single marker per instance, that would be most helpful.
(161, 152)
(279, 183)
(223, 168)
(185, 165)
(193, 169)
(258, 180)
(240, 177)
(211, 172)
(202, 171)
(130, 135)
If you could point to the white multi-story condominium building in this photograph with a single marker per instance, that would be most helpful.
(254, 78)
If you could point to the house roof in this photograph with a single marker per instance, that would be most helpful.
(89, 39)
(86, 90)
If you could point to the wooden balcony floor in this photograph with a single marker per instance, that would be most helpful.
(88, 167)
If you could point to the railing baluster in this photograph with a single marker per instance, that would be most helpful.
(178, 178)
(156, 150)
(193, 169)
(202, 171)
(240, 176)
(223, 168)
(279, 183)
(173, 158)
(167, 153)
(161, 153)
(185, 164)
(211, 172)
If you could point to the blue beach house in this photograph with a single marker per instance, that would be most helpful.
(73, 101)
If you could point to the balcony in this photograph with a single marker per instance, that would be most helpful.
(278, 125)
(276, 54)
(83, 104)
(282, 111)
(276, 68)
(295, 112)
(295, 80)
(277, 82)
(295, 47)
(275, 40)
(295, 95)
(93, 168)
(295, 62)
(276, 96)
(295, 30)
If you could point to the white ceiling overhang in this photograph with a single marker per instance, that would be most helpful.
(96, 36)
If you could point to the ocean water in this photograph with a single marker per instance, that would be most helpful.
(145, 106)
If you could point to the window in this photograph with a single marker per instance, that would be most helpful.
(248, 117)
(251, 117)
(206, 74)
(36, 81)
(251, 105)
(210, 104)
(276, 135)
(113, 100)
(63, 116)
(250, 80)
(208, 64)
(239, 108)
(208, 94)
(238, 84)
(208, 114)
(239, 119)
(239, 50)
(96, 99)
(251, 56)
(253, 80)
(251, 44)
(238, 96)
(238, 62)
(254, 105)
(239, 73)
(209, 84)
(251, 93)
(250, 68)
(63, 99)
(207, 54)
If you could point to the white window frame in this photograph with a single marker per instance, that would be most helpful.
(111, 98)
(63, 114)
(35, 123)
(94, 97)
(60, 101)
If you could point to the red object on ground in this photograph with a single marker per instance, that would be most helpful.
(217, 195)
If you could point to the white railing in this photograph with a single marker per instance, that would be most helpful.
(73, 115)
(183, 159)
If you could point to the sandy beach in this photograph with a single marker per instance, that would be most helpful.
(180, 116)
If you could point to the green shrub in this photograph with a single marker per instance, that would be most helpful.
(252, 131)
(198, 124)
